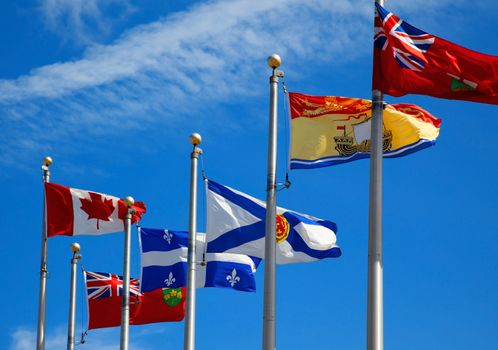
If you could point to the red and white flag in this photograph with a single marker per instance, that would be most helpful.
(71, 212)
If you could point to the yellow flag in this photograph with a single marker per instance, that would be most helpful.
(329, 130)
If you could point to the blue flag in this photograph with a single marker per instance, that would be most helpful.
(236, 224)
(164, 263)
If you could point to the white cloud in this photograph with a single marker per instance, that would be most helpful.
(25, 339)
(83, 21)
(101, 339)
(220, 36)
(188, 62)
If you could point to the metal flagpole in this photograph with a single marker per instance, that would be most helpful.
(269, 304)
(75, 248)
(375, 307)
(189, 331)
(125, 308)
(40, 335)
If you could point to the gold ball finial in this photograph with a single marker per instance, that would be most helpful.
(75, 247)
(195, 139)
(129, 201)
(47, 161)
(274, 61)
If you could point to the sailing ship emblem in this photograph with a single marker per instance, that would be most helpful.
(358, 141)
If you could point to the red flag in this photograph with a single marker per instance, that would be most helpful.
(159, 305)
(73, 212)
(408, 60)
(104, 297)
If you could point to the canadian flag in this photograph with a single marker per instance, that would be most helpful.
(71, 212)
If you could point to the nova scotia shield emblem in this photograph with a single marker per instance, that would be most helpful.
(283, 228)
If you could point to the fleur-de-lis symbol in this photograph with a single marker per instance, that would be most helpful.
(167, 236)
(233, 278)
(170, 280)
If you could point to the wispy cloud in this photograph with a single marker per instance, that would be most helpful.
(83, 21)
(204, 56)
(25, 339)
(188, 47)
(102, 339)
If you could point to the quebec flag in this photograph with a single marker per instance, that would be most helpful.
(164, 263)
(236, 224)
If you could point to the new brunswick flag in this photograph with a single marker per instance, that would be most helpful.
(329, 130)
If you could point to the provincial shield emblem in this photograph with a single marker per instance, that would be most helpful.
(172, 296)
(283, 228)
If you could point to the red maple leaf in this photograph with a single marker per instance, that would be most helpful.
(139, 207)
(96, 208)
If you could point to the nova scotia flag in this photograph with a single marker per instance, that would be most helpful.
(236, 224)
(164, 263)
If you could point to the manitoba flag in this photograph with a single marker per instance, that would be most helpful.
(71, 212)
(104, 297)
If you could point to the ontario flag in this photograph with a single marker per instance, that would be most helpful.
(71, 212)
(104, 298)
(408, 60)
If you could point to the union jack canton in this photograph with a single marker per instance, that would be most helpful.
(408, 43)
(101, 285)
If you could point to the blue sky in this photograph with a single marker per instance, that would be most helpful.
(112, 90)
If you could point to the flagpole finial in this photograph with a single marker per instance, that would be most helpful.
(274, 61)
(75, 247)
(195, 139)
(47, 161)
(129, 201)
